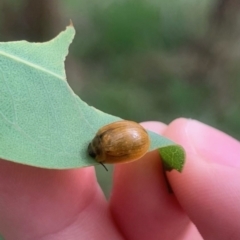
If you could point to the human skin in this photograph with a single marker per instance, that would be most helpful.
(42, 204)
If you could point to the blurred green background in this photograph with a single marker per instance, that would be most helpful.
(143, 59)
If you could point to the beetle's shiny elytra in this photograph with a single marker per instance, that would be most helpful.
(121, 141)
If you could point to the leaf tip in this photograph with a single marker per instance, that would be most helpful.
(173, 157)
(70, 23)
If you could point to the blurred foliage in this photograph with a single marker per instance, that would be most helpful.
(144, 60)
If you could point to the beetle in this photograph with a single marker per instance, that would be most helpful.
(119, 142)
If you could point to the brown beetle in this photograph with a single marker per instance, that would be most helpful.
(121, 141)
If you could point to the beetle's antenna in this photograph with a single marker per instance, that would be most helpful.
(104, 166)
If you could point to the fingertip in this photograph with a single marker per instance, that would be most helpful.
(154, 126)
(208, 187)
(213, 145)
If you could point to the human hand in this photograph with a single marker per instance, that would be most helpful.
(41, 204)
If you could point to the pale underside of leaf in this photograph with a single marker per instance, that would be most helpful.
(42, 122)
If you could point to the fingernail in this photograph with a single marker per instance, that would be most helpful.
(212, 144)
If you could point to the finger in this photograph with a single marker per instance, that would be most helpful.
(52, 204)
(140, 202)
(154, 126)
(209, 187)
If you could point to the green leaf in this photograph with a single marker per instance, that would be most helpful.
(42, 122)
